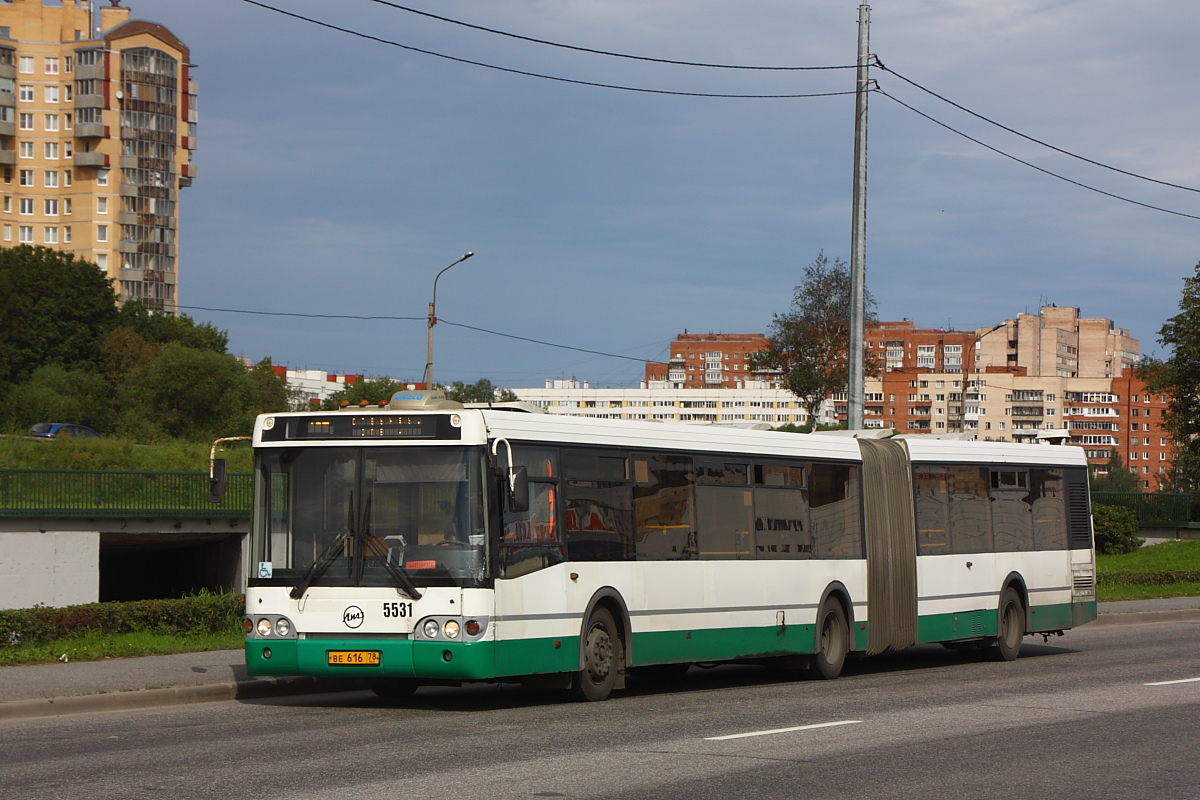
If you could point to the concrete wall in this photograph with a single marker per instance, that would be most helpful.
(53, 568)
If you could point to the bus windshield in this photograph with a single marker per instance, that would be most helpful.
(370, 516)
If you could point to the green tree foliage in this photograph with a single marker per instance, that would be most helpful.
(1116, 529)
(54, 393)
(1179, 377)
(159, 328)
(271, 389)
(810, 343)
(1118, 478)
(54, 309)
(188, 394)
(481, 391)
(373, 392)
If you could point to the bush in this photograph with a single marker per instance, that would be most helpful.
(1116, 529)
(203, 613)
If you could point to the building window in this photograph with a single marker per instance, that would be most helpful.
(101, 233)
(68, 149)
(8, 233)
(8, 204)
(26, 121)
(26, 205)
(25, 234)
(102, 260)
(26, 65)
(68, 92)
(25, 149)
(68, 64)
(52, 150)
(102, 177)
(50, 235)
(66, 177)
(67, 234)
(26, 93)
(66, 206)
(51, 65)
(101, 205)
(50, 94)
(51, 208)
(27, 177)
(66, 122)
(51, 122)
(50, 179)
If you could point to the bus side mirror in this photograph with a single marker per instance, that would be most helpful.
(518, 489)
(216, 481)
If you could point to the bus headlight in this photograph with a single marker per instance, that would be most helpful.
(450, 629)
(264, 627)
(283, 627)
(430, 628)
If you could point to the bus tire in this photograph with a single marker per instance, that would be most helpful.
(1010, 627)
(832, 642)
(395, 689)
(603, 656)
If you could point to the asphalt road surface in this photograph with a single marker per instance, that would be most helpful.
(1101, 713)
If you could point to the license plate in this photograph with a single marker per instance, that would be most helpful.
(353, 658)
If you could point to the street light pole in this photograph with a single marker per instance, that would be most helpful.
(428, 379)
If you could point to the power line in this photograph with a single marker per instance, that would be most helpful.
(1003, 127)
(576, 48)
(1034, 166)
(442, 320)
(526, 73)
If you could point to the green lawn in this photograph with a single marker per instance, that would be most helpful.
(1153, 566)
(102, 646)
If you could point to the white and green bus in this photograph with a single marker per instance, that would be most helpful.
(432, 543)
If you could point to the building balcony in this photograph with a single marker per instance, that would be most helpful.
(8, 71)
(91, 159)
(90, 101)
(91, 130)
(93, 71)
(8, 129)
(8, 157)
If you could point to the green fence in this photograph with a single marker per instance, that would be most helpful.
(1153, 510)
(118, 493)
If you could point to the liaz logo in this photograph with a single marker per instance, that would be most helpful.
(353, 617)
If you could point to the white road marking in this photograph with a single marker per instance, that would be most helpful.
(1168, 683)
(782, 730)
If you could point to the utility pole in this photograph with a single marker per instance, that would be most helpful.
(858, 244)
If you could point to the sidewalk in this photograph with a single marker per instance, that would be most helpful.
(47, 690)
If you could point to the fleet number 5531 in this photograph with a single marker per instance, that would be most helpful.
(399, 610)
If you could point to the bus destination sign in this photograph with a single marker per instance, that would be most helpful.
(363, 426)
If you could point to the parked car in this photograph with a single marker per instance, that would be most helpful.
(61, 430)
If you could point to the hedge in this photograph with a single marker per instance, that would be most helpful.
(1160, 577)
(203, 613)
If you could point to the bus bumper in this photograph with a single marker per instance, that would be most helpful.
(398, 658)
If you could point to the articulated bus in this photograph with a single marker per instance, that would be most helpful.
(429, 543)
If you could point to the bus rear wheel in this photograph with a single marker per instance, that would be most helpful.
(833, 642)
(1011, 627)
(603, 656)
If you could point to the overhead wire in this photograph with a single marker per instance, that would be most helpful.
(1028, 138)
(442, 320)
(1031, 165)
(613, 54)
(543, 76)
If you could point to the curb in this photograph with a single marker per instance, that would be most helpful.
(1141, 617)
(170, 696)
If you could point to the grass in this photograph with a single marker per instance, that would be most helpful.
(19, 452)
(1182, 556)
(101, 646)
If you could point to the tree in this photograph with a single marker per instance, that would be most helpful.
(1178, 377)
(159, 328)
(810, 343)
(54, 309)
(54, 393)
(481, 391)
(373, 391)
(1118, 478)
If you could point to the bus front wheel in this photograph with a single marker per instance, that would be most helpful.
(832, 644)
(1011, 627)
(603, 655)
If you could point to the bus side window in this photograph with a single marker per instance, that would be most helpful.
(597, 505)
(1012, 517)
(970, 512)
(532, 539)
(932, 501)
(724, 510)
(664, 508)
(835, 511)
(781, 526)
(1049, 509)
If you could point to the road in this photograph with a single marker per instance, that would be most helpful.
(1074, 718)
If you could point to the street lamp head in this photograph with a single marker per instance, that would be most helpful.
(468, 255)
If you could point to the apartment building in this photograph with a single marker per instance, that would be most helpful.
(97, 134)
(711, 361)
(1057, 341)
(901, 345)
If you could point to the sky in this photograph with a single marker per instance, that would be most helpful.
(339, 175)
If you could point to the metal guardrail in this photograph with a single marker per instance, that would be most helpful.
(1160, 510)
(119, 493)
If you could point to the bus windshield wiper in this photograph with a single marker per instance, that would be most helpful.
(321, 564)
(397, 572)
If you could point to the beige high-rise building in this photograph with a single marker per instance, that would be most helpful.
(1058, 342)
(97, 130)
